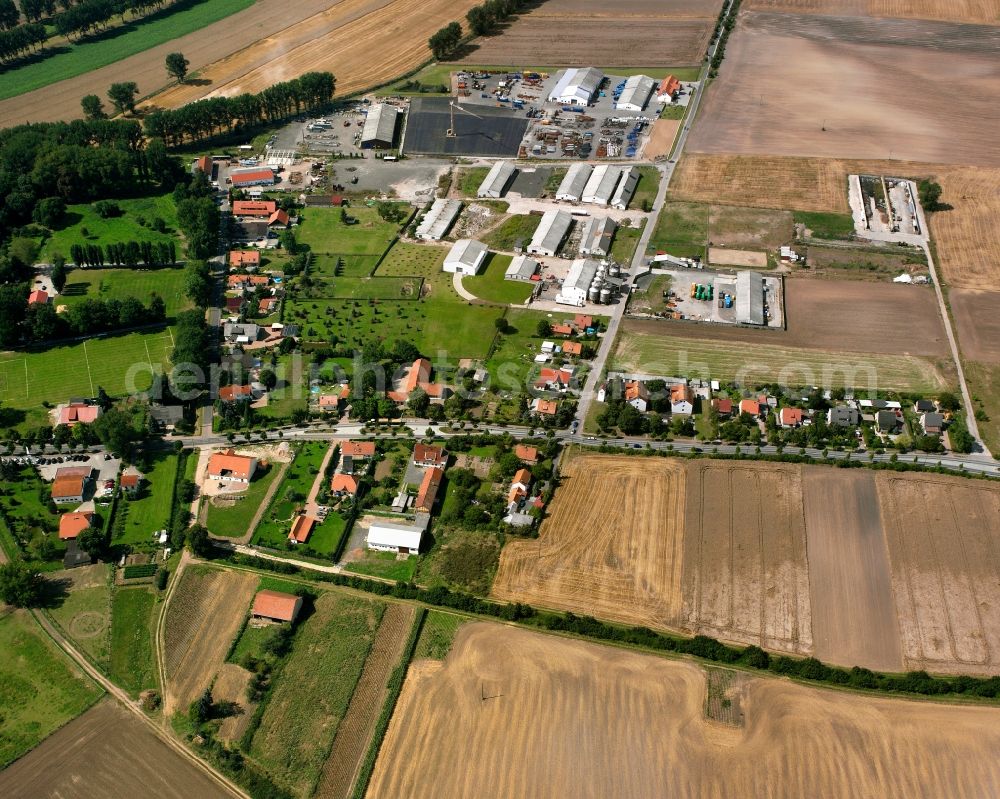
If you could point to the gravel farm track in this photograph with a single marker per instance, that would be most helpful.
(266, 43)
(780, 90)
(583, 719)
(974, 11)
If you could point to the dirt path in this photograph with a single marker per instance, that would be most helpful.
(262, 508)
(311, 506)
(161, 666)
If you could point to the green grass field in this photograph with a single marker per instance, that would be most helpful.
(646, 188)
(325, 233)
(292, 390)
(437, 635)
(122, 228)
(311, 694)
(514, 229)
(121, 43)
(133, 617)
(826, 225)
(681, 229)
(27, 518)
(85, 615)
(626, 240)
(107, 284)
(234, 521)
(40, 689)
(150, 511)
(121, 364)
(470, 178)
(376, 288)
(754, 363)
(489, 285)
(291, 494)
(385, 564)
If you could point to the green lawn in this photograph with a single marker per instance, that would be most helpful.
(764, 363)
(470, 179)
(106, 284)
(513, 230)
(826, 225)
(121, 364)
(133, 618)
(118, 44)
(292, 390)
(124, 228)
(646, 188)
(626, 240)
(234, 521)
(291, 494)
(385, 564)
(437, 635)
(489, 285)
(377, 288)
(251, 642)
(85, 616)
(151, 509)
(310, 696)
(327, 536)
(673, 111)
(40, 689)
(323, 230)
(27, 517)
(681, 229)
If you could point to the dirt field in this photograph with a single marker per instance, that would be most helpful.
(781, 90)
(586, 721)
(854, 618)
(107, 754)
(745, 574)
(661, 139)
(355, 731)
(601, 550)
(724, 257)
(203, 616)
(231, 685)
(979, 11)
(942, 535)
(977, 316)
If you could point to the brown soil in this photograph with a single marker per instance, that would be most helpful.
(981, 11)
(231, 686)
(854, 618)
(355, 731)
(546, 716)
(610, 546)
(204, 615)
(977, 317)
(730, 226)
(107, 753)
(725, 257)
(661, 138)
(841, 87)
(745, 575)
(942, 535)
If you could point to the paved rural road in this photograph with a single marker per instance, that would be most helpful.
(126, 700)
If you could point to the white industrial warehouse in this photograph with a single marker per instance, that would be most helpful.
(579, 280)
(438, 219)
(497, 180)
(601, 186)
(750, 298)
(577, 86)
(550, 233)
(465, 257)
(399, 538)
(521, 268)
(597, 235)
(636, 93)
(626, 188)
(379, 130)
(573, 184)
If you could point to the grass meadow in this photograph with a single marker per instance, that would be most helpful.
(291, 494)
(233, 521)
(133, 617)
(117, 284)
(490, 286)
(150, 510)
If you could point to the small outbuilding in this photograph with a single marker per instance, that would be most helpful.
(275, 607)
(521, 268)
(497, 180)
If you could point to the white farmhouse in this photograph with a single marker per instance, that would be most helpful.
(401, 538)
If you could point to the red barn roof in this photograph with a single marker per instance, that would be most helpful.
(72, 524)
(276, 605)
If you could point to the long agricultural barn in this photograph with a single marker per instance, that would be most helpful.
(636, 93)
(577, 86)
(400, 538)
(466, 257)
(598, 233)
(252, 176)
(438, 219)
(550, 233)
(601, 186)
(379, 131)
(521, 268)
(626, 188)
(574, 287)
(572, 186)
(497, 180)
(749, 298)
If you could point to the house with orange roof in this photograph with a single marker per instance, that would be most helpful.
(344, 484)
(235, 393)
(244, 259)
(572, 348)
(429, 488)
(562, 330)
(359, 450)
(637, 395)
(228, 467)
(583, 321)
(790, 417)
(418, 375)
(302, 528)
(267, 305)
(72, 524)
(275, 606)
(681, 400)
(328, 402)
(545, 407)
(429, 455)
(254, 209)
(129, 482)
(556, 379)
(78, 413)
(279, 219)
(519, 486)
(723, 405)
(526, 453)
(38, 297)
(667, 90)
(70, 485)
(750, 406)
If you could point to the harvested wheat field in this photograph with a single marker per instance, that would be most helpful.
(853, 614)
(745, 573)
(977, 11)
(591, 33)
(610, 546)
(62, 100)
(341, 40)
(205, 612)
(230, 685)
(942, 534)
(547, 716)
(977, 317)
(967, 237)
(921, 91)
(746, 258)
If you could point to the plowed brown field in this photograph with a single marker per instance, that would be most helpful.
(518, 713)
(204, 615)
(611, 545)
(943, 546)
(980, 11)
(782, 90)
(745, 574)
(977, 317)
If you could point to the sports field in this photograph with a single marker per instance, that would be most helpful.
(119, 364)
(117, 284)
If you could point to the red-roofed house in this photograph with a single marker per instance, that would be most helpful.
(681, 400)
(278, 219)
(235, 305)
(554, 378)
(668, 88)
(545, 407)
(204, 164)
(418, 376)
(428, 490)
(790, 417)
(583, 321)
(519, 486)
(247, 259)
(562, 330)
(358, 449)
(78, 413)
(750, 406)
(38, 297)
(70, 485)
(637, 395)
(724, 406)
(234, 393)
(342, 484)
(526, 453)
(572, 348)
(302, 528)
(275, 606)
(266, 305)
(254, 209)
(72, 524)
(229, 467)
(129, 482)
(429, 455)
(328, 402)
